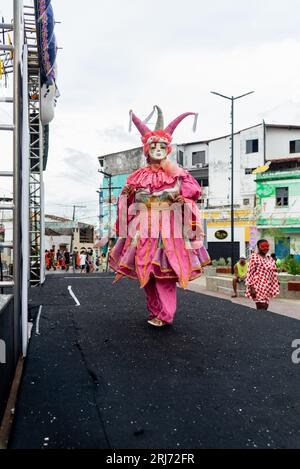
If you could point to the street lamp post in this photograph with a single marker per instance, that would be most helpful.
(73, 229)
(100, 192)
(110, 188)
(109, 176)
(232, 99)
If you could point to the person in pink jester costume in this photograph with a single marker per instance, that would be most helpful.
(159, 225)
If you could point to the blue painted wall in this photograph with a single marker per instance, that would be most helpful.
(118, 182)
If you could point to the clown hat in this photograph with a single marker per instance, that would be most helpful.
(159, 127)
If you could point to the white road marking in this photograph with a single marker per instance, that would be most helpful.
(30, 327)
(37, 327)
(73, 296)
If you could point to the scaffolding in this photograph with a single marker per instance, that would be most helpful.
(21, 58)
(15, 52)
(36, 148)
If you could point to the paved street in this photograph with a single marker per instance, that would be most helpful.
(282, 306)
(98, 376)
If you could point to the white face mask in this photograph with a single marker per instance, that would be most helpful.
(158, 151)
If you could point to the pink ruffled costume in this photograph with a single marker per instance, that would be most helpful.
(158, 261)
(157, 247)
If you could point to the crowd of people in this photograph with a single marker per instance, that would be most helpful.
(83, 260)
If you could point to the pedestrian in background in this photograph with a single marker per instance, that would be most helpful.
(90, 260)
(58, 258)
(262, 278)
(67, 259)
(74, 259)
(47, 259)
(83, 261)
(103, 262)
(52, 259)
(240, 273)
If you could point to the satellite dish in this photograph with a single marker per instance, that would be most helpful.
(262, 169)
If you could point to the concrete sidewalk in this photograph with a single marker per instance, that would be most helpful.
(290, 308)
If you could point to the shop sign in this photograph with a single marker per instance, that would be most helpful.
(221, 234)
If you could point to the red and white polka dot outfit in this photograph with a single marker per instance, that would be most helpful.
(262, 275)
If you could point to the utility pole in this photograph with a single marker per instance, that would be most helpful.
(100, 192)
(109, 176)
(110, 187)
(232, 99)
(74, 212)
(74, 209)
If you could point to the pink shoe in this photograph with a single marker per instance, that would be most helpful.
(156, 322)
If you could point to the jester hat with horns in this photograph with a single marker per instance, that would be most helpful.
(159, 134)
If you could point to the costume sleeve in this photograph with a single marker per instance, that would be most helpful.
(124, 201)
(190, 187)
(191, 191)
(251, 271)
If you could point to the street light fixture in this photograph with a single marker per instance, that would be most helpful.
(105, 174)
(232, 99)
(109, 176)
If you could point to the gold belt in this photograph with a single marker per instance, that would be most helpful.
(158, 206)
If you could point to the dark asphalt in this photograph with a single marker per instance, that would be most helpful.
(98, 376)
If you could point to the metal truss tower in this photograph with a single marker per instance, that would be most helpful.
(36, 149)
(28, 151)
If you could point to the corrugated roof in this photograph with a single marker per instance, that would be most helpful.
(282, 160)
(57, 218)
(50, 232)
(121, 151)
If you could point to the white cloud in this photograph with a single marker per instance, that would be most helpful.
(133, 54)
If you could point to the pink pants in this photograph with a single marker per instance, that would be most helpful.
(161, 298)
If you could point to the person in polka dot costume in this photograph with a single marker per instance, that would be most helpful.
(262, 279)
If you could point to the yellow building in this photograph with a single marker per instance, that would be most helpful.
(218, 228)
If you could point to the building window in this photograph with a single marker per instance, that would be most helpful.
(86, 235)
(180, 158)
(295, 146)
(198, 157)
(249, 170)
(203, 182)
(246, 201)
(252, 146)
(282, 197)
(2, 233)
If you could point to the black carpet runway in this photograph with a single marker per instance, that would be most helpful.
(98, 376)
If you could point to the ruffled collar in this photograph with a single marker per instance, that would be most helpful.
(152, 178)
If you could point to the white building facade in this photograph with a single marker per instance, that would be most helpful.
(210, 163)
